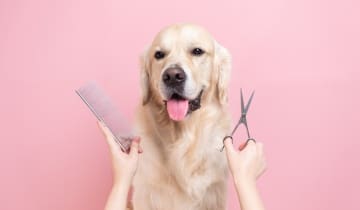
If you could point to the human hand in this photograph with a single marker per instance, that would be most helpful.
(124, 164)
(247, 163)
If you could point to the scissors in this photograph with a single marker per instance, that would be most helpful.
(244, 110)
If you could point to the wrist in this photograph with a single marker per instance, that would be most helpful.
(243, 181)
(122, 182)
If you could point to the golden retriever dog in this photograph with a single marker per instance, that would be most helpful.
(182, 121)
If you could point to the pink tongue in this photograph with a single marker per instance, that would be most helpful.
(177, 109)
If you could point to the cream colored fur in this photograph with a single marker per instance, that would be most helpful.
(181, 167)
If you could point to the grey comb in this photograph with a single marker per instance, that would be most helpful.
(105, 111)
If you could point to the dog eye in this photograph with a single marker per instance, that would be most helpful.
(197, 52)
(159, 55)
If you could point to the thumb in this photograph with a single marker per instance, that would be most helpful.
(108, 135)
(134, 150)
(228, 142)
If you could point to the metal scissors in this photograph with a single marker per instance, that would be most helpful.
(244, 110)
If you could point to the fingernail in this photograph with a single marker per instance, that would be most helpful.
(242, 146)
(136, 139)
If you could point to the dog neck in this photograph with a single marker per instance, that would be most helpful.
(193, 142)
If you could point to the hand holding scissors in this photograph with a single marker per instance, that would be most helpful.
(244, 110)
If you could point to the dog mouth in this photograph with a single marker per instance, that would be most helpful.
(178, 106)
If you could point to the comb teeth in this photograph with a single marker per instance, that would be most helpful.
(104, 110)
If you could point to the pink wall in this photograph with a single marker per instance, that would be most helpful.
(302, 57)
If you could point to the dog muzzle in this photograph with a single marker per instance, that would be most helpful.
(178, 109)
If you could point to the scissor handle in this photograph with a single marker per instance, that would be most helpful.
(247, 141)
(232, 141)
(251, 139)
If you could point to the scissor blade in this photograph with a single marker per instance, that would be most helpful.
(248, 104)
(242, 101)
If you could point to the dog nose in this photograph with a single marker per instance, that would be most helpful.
(174, 76)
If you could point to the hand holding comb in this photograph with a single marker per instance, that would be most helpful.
(105, 111)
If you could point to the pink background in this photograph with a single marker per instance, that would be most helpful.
(302, 57)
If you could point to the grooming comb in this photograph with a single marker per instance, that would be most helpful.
(105, 111)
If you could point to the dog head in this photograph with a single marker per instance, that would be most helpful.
(183, 68)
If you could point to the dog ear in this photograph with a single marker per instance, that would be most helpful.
(222, 65)
(144, 76)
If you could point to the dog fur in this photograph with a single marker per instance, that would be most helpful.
(182, 167)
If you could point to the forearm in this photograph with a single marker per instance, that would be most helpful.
(248, 195)
(118, 197)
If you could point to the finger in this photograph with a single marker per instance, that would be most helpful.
(108, 135)
(250, 143)
(140, 149)
(130, 194)
(260, 148)
(242, 146)
(228, 143)
(134, 150)
(103, 128)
